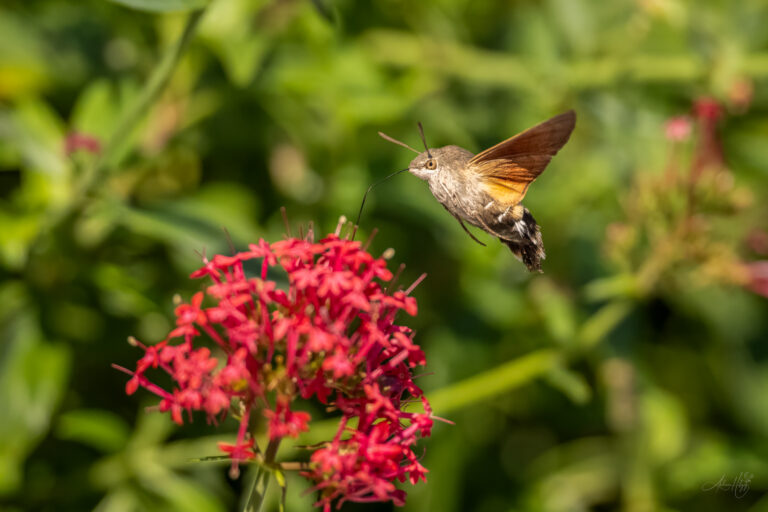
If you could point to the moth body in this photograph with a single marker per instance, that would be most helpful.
(486, 189)
(465, 198)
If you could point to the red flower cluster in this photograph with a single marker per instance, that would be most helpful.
(331, 335)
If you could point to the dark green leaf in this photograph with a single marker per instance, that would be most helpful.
(103, 430)
(162, 5)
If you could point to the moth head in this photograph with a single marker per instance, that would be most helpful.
(425, 165)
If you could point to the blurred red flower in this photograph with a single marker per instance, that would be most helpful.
(707, 109)
(758, 277)
(81, 141)
(709, 151)
(678, 129)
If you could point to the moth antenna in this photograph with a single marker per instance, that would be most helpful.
(365, 196)
(395, 141)
(424, 139)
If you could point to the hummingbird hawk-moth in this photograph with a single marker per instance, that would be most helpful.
(486, 189)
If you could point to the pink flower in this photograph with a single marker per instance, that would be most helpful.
(758, 277)
(284, 422)
(385, 454)
(81, 141)
(239, 451)
(757, 241)
(330, 335)
(678, 129)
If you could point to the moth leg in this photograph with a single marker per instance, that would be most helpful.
(468, 232)
(488, 229)
(463, 226)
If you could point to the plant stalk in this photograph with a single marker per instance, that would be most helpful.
(94, 174)
(261, 482)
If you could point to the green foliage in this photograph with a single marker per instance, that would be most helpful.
(631, 375)
(163, 5)
(32, 383)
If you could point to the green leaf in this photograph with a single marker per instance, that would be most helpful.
(100, 429)
(163, 5)
(37, 131)
(240, 48)
(603, 322)
(665, 425)
(617, 286)
(182, 494)
(556, 309)
(33, 376)
(494, 301)
(280, 477)
(571, 384)
(17, 233)
(258, 491)
(98, 106)
(212, 458)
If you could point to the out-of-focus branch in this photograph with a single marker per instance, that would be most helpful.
(94, 174)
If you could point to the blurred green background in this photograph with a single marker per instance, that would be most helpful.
(632, 375)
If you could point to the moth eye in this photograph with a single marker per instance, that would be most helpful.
(431, 164)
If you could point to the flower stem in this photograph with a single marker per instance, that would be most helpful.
(294, 466)
(155, 86)
(495, 381)
(261, 482)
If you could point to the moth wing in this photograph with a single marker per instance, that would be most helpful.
(545, 138)
(506, 181)
(508, 168)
